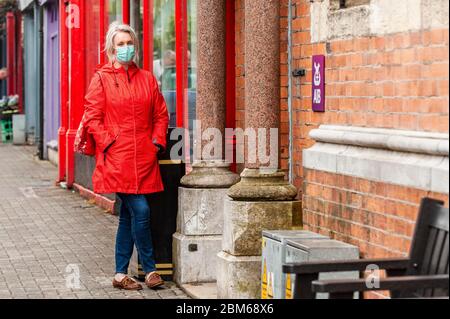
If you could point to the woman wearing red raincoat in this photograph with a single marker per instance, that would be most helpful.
(128, 118)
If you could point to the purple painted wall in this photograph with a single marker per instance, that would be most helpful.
(51, 71)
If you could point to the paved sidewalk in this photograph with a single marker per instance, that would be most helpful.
(48, 235)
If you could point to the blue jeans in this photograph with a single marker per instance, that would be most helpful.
(134, 228)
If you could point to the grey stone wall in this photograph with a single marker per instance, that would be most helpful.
(375, 17)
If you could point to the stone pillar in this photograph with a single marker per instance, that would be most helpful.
(201, 198)
(263, 199)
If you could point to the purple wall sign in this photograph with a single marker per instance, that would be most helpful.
(318, 83)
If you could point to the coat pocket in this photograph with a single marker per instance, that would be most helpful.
(116, 133)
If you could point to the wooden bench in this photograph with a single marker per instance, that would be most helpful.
(424, 274)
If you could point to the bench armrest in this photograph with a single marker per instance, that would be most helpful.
(346, 265)
(406, 283)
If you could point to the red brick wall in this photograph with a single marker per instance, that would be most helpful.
(397, 81)
(377, 217)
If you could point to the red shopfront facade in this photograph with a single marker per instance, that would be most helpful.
(167, 30)
(14, 56)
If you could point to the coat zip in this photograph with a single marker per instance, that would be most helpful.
(135, 144)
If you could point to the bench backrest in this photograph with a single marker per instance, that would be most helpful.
(429, 249)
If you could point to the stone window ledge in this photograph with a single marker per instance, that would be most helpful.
(382, 156)
(388, 139)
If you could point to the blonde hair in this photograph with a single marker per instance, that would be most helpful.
(113, 30)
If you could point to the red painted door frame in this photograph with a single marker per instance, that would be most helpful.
(126, 11)
(11, 52)
(19, 65)
(77, 87)
(231, 75)
(14, 56)
(181, 33)
(102, 30)
(147, 42)
(230, 65)
(64, 89)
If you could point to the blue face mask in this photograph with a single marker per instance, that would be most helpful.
(126, 53)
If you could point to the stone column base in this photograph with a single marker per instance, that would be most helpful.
(238, 277)
(210, 174)
(195, 258)
(200, 211)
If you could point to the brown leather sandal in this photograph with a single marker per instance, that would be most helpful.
(127, 283)
(154, 280)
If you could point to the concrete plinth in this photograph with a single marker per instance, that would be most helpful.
(238, 277)
(261, 201)
(263, 198)
(199, 234)
(195, 258)
(245, 221)
(200, 211)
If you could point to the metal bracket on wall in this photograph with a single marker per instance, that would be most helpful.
(299, 73)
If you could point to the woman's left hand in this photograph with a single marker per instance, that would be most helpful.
(160, 148)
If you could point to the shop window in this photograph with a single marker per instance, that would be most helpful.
(93, 45)
(164, 56)
(136, 21)
(114, 10)
(191, 109)
(192, 44)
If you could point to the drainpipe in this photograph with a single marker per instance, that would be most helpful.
(291, 119)
(41, 81)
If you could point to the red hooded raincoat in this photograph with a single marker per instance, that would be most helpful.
(127, 115)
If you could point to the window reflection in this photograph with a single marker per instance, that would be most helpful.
(192, 44)
(136, 22)
(93, 46)
(164, 57)
(192, 69)
(114, 10)
(164, 51)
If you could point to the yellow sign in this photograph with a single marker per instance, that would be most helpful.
(170, 162)
(288, 286)
(264, 282)
(270, 286)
